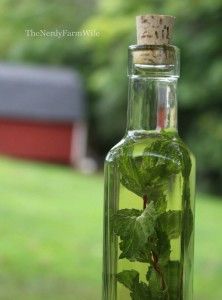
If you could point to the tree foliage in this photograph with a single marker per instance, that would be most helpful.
(103, 62)
(197, 34)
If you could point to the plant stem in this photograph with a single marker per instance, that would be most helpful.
(154, 260)
(157, 268)
(145, 201)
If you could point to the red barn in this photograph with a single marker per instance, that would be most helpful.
(42, 114)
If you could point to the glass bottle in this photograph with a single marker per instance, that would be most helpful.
(149, 189)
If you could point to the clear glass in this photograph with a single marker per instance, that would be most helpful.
(149, 192)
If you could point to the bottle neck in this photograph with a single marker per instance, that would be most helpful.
(152, 92)
(152, 103)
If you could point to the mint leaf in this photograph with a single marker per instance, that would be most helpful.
(171, 154)
(155, 284)
(150, 174)
(188, 217)
(161, 204)
(129, 278)
(123, 219)
(172, 279)
(170, 222)
(134, 227)
(186, 161)
(141, 255)
(173, 275)
(161, 248)
(129, 176)
(141, 292)
(182, 152)
(188, 220)
(166, 157)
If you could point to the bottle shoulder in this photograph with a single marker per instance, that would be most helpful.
(140, 140)
(114, 151)
(167, 146)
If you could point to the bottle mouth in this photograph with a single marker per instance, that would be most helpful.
(154, 60)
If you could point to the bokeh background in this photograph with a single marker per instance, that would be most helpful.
(51, 213)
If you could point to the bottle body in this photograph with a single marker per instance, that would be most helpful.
(149, 189)
(149, 218)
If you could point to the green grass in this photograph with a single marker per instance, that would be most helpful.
(50, 232)
(208, 248)
(51, 235)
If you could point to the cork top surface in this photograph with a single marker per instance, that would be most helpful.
(154, 29)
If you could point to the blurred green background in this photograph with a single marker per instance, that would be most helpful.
(51, 216)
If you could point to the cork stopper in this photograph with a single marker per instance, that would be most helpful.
(154, 29)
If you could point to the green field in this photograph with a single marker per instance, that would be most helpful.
(51, 235)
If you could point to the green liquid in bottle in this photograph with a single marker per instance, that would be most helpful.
(150, 224)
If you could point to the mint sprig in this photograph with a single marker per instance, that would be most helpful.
(144, 235)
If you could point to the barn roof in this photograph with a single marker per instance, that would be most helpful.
(40, 93)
